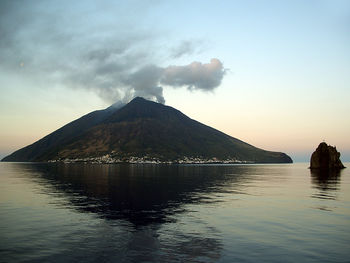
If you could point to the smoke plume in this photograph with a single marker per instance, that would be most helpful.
(195, 75)
(62, 42)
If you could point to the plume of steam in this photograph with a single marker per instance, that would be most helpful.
(195, 75)
(58, 47)
(185, 48)
(144, 83)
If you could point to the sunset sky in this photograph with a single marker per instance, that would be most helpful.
(275, 74)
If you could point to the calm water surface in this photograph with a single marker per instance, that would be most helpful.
(173, 213)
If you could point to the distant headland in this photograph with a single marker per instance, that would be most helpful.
(142, 131)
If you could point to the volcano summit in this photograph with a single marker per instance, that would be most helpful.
(142, 131)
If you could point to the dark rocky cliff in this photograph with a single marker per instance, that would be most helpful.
(326, 157)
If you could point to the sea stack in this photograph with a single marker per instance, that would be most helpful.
(326, 157)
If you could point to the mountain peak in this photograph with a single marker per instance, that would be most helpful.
(142, 129)
(119, 104)
(143, 101)
(141, 108)
(138, 99)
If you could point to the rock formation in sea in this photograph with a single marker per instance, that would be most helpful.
(326, 157)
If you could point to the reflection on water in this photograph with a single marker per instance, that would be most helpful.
(136, 200)
(140, 194)
(327, 182)
(172, 213)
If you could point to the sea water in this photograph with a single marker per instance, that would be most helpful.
(173, 213)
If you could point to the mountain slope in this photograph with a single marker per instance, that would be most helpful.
(142, 128)
(40, 149)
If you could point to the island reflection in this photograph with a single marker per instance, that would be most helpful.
(138, 205)
(139, 194)
(327, 183)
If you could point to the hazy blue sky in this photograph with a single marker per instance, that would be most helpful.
(275, 74)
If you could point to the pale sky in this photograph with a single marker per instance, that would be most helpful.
(280, 78)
